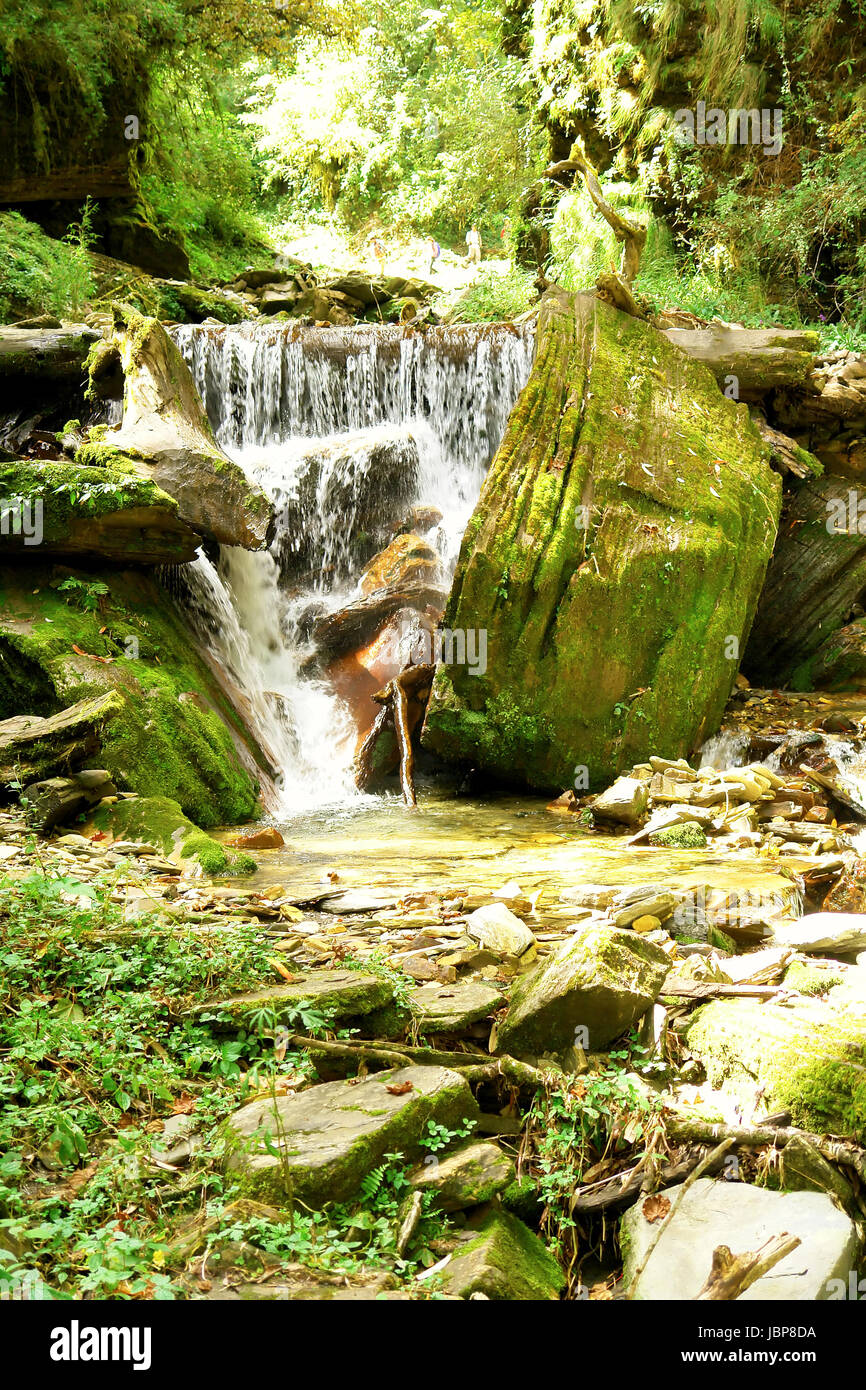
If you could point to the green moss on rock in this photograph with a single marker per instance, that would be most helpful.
(810, 1058)
(690, 835)
(177, 734)
(614, 559)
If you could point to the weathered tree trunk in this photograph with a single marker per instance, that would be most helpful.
(818, 571)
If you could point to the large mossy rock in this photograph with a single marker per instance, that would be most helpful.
(316, 1147)
(92, 513)
(809, 1058)
(614, 559)
(340, 994)
(173, 732)
(603, 980)
(159, 821)
(742, 1218)
(166, 435)
(505, 1261)
(818, 571)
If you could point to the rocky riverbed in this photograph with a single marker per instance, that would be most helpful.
(683, 954)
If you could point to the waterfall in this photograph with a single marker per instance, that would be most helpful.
(346, 430)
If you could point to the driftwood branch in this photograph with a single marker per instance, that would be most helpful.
(687, 1130)
(730, 1275)
(474, 1066)
(632, 235)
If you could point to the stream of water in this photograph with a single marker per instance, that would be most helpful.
(336, 426)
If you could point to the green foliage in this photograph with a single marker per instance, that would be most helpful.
(425, 123)
(39, 274)
(593, 1121)
(492, 296)
(96, 1049)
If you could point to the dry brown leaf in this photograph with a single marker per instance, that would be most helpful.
(656, 1207)
(401, 1089)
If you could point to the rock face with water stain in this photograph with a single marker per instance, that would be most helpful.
(614, 559)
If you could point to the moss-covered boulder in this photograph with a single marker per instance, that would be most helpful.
(809, 1058)
(466, 1178)
(505, 1261)
(341, 994)
(69, 637)
(105, 514)
(166, 434)
(317, 1146)
(603, 981)
(159, 821)
(614, 559)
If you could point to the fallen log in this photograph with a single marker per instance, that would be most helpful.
(684, 1129)
(392, 1054)
(34, 747)
(750, 360)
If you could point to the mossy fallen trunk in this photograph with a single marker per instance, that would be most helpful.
(96, 513)
(173, 733)
(614, 560)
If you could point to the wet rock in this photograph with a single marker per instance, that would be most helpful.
(330, 1136)
(504, 1261)
(626, 801)
(497, 929)
(341, 994)
(601, 981)
(267, 838)
(807, 1057)
(467, 1178)
(839, 933)
(743, 1218)
(566, 589)
(407, 560)
(439, 1008)
(848, 893)
(817, 573)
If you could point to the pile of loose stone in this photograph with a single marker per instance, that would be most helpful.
(676, 806)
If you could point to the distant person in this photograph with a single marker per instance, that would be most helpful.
(473, 247)
(505, 234)
(434, 251)
(377, 248)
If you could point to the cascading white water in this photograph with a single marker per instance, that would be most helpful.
(333, 424)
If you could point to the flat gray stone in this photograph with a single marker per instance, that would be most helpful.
(743, 1218)
(447, 1008)
(839, 932)
(626, 801)
(329, 1137)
